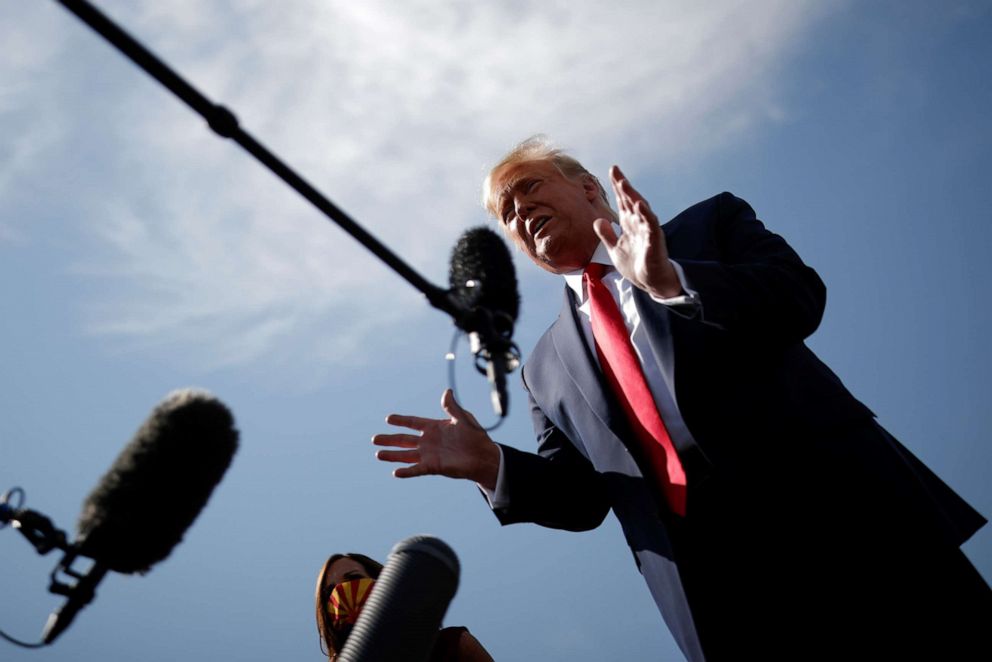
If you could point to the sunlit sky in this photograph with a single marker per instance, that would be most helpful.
(139, 253)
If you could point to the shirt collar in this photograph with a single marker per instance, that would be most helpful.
(601, 256)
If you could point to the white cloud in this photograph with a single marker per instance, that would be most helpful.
(390, 108)
(29, 125)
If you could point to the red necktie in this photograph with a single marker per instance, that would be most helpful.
(623, 372)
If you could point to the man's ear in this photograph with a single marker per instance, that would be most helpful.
(591, 188)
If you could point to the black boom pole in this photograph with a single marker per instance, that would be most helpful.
(225, 124)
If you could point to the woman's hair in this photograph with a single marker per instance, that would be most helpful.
(330, 641)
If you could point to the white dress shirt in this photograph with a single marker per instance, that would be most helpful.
(658, 370)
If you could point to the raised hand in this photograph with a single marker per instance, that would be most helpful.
(456, 447)
(640, 252)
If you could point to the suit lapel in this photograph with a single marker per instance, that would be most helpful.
(655, 319)
(580, 365)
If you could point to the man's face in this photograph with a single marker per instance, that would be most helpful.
(550, 217)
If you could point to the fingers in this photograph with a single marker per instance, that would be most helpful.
(413, 422)
(397, 440)
(617, 178)
(410, 472)
(629, 200)
(409, 457)
(444, 446)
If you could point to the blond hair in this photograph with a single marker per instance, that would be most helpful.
(536, 149)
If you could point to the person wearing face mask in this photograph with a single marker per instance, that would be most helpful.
(343, 587)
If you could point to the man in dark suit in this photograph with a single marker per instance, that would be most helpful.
(768, 512)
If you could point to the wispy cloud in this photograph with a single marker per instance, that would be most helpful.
(31, 127)
(392, 109)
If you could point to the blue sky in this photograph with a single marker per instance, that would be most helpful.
(139, 253)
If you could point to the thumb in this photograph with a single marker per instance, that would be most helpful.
(450, 405)
(604, 230)
(455, 410)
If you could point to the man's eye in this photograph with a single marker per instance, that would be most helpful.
(531, 185)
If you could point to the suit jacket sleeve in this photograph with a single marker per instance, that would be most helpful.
(749, 280)
(557, 487)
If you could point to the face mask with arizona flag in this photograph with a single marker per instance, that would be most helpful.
(346, 602)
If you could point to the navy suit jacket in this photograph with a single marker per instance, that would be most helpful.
(756, 400)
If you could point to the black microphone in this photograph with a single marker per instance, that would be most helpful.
(484, 284)
(156, 487)
(7, 512)
(403, 614)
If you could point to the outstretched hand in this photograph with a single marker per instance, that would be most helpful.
(640, 252)
(456, 447)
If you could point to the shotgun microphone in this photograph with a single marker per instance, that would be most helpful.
(156, 487)
(484, 284)
(403, 614)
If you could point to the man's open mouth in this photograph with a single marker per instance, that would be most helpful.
(540, 224)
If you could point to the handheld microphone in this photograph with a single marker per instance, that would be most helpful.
(403, 614)
(483, 283)
(156, 487)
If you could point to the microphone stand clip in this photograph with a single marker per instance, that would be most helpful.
(44, 537)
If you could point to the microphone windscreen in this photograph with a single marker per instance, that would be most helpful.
(403, 614)
(482, 274)
(159, 483)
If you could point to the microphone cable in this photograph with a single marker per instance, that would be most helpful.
(451, 357)
(18, 642)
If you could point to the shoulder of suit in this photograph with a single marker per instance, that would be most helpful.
(718, 200)
(705, 209)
